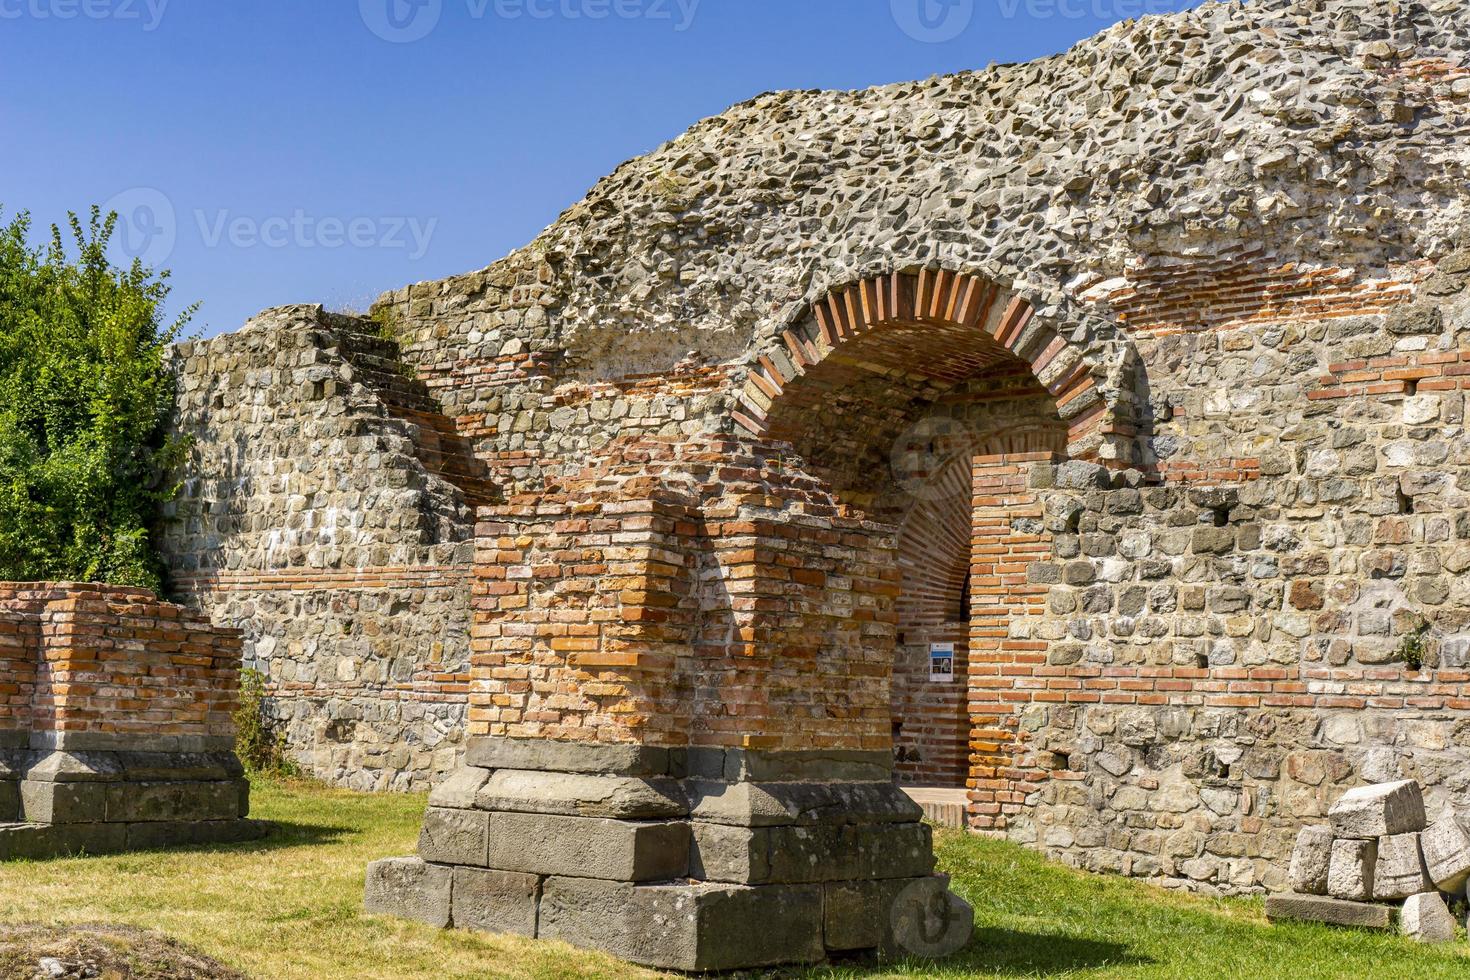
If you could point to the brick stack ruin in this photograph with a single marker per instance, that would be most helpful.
(116, 724)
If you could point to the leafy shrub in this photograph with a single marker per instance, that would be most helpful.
(261, 750)
(85, 398)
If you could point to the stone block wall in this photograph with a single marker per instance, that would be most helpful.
(119, 730)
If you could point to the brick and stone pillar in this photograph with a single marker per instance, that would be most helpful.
(116, 724)
(680, 743)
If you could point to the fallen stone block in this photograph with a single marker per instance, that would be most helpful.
(1399, 871)
(1331, 911)
(410, 889)
(1426, 918)
(1447, 854)
(1350, 872)
(1310, 860)
(1381, 810)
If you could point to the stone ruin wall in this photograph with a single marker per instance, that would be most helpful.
(1242, 229)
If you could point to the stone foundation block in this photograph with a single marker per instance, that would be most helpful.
(1310, 860)
(1350, 872)
(455, 837)
(691, 927)
(1382, 810)
(784, 804)
(156, 836)
(62, 803)
(770, 855)
(585, 847)
(458, 791)
(1446, 849)
(1332, 911)
(544, 755)
(41, 842)
(410, 889)
(225, 799)
(9, 801)
(1399, 871)
(1426, 918)
(582, 795)
(495, 901)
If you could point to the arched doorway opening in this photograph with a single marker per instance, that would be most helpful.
(896, 392)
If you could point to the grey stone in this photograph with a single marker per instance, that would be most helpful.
(40, 842)
(763, 855)
(156, 836)
(458, 791)
(9, 801)
(689, 927)
(58, 803)
(409, 889)
(223, 799)
(1350, 873)
(1310, 860)
(1446, 849)
(1332, 911)
(495, 901)
(455, 837)
(579, 795)
(545, 755)
(760, 766)
(1399, 871)
(1425, 918)
(1380, 810)
(777, 804)
(587, 847)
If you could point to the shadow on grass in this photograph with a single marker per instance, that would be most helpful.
(1006, 951)
(287, 833)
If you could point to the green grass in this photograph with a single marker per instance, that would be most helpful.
(290, 907)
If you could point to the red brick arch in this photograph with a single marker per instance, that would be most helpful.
(947, 326)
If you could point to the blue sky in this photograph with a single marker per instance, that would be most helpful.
(279, 151)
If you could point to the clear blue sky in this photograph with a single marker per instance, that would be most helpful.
(327, 150)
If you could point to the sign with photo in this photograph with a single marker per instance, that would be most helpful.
(941, 661)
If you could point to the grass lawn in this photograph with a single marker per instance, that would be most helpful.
(288, 907)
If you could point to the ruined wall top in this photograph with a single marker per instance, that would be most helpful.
(1270, 133)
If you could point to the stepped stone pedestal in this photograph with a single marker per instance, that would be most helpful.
(686, 859)
(116, 728)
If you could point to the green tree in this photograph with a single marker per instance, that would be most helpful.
(86, 392)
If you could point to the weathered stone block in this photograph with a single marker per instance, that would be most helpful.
(157, 802)
(691, 927)
(9, 801)
(763, 855)
(154, 836)
(779, 804)
(544, 755)
(582, 795)
(40, 842)
(410, 889)
(587, 847)
(495, 901)
(455, 836)
(1332, 911)
(458, 791)
(62, 803)
(1350, 872)
(1446, 849)
(1425, 918)
(1399, 871)
(1310, 860)
(1381, 810)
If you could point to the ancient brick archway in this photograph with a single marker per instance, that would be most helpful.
(933, 328)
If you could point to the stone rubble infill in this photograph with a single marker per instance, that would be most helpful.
(1378, 850)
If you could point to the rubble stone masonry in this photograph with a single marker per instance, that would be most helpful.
(1136, 373)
